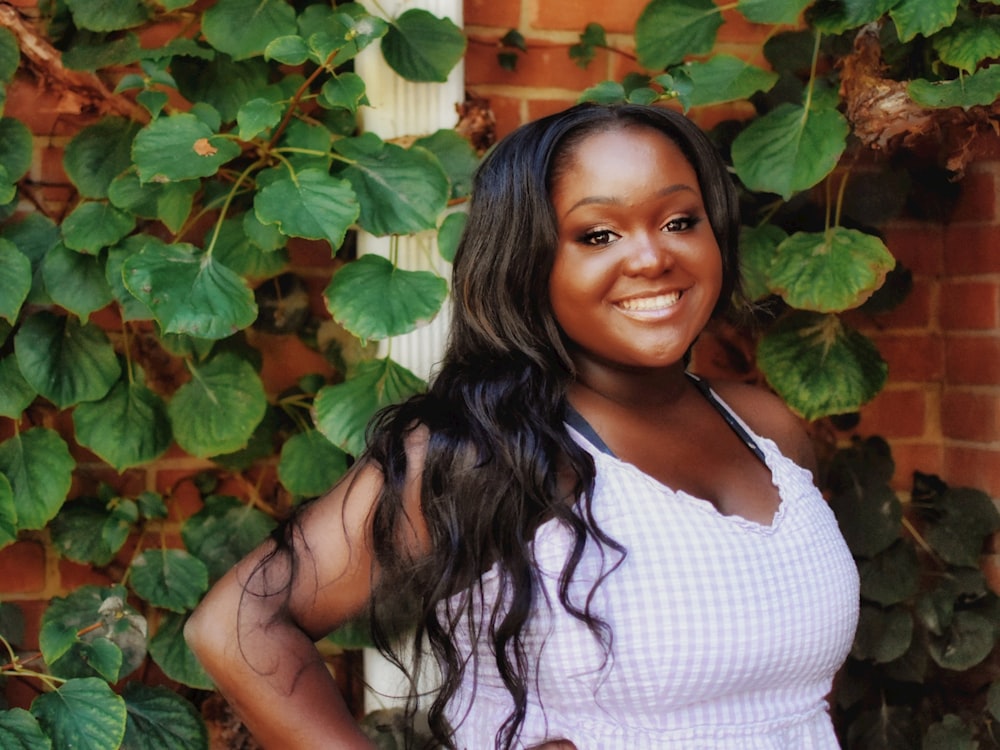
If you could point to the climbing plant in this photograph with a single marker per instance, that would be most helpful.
(219, 133)
(131, 313)
(843, 77)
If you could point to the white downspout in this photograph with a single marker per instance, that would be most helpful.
(400, 108)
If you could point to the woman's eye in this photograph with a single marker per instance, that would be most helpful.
(598, 237)
(680, 224)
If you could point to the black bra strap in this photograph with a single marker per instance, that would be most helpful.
(576, 420)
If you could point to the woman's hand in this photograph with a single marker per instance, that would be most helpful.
(555, 745)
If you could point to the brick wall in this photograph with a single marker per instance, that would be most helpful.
(941, 410)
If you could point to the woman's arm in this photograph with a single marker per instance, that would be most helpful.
(255, 630)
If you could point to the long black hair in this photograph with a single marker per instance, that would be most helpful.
(495, 410)
(499, 460)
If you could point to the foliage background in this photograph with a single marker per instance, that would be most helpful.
(224, 401)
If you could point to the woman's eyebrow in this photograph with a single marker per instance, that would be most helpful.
(610, 200)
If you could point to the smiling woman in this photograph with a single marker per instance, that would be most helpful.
(592, 554)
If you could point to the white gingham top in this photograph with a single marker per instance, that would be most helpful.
(726, 632)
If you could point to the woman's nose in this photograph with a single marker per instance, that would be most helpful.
(648, 256)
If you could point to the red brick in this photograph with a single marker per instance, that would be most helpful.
(708, 117)
(895, 413)
(971, 249)
(972, 360)
(911, 358)
(544, 65)
(736, 28)
(971, 416)
(506, 14)
(22, 568)
(990, 565)
(977, 202)
(507, 112)
(970, 305)
(973, 467)
(919, 248)
(542, 107)
(179, 492)
(927, 458)
(914, 312)
(73, 575)
(285, 360)
(617, 17)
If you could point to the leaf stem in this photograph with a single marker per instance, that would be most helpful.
(812, 75)
(224, 211)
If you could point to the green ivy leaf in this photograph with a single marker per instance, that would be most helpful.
(968, 640)
(235, 251)
(868, 512)
(94, 225)
(15, 148)
(951, 733)
(77, 532)
(169, 578)
(15, 392)
(65, 361)
(456, 155)
(401, 191)
(160, 719)
(669, 30)
(373, 299)
(883, 634)
(15, 280)
(34, 235)
(130, 307)
(172, 655)
(108, 16)
(126, 428)
(922, 17)
(259, 22)
(341, 35)
(346, 91)
(343, 410)
(217, 411)
(310, 464)
(221, 83)
(993, 699)
(189, 291)
(966, 44)
(722, 78)
(789, 149)
(40, 470)
(224, 532)
(979, 89)
(422, 47)
(963, 518)
(180, 147)
(838, 17)
(10, 55)
(257, 116)
(819, 366)
(92, 630)
(592, 38)
(19, 730)
(606, 92)
(290, 49)
(84, 714)
(76, 281)
(887, 727)
(311, 204)
(890, 577)
(98, 154)
(8, 517)
(829, 271)
(758, 249)
(169, 202)
(772, 11)
(450, 234)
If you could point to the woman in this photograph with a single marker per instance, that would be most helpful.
(602, 552)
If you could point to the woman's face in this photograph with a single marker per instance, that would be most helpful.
(637, 269)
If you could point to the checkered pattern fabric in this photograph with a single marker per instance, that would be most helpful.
(726, 633)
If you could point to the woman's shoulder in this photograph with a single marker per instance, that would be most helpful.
(769, 416)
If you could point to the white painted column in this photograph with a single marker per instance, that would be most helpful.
(401, 108)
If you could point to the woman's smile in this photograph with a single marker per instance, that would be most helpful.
(637, 271)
